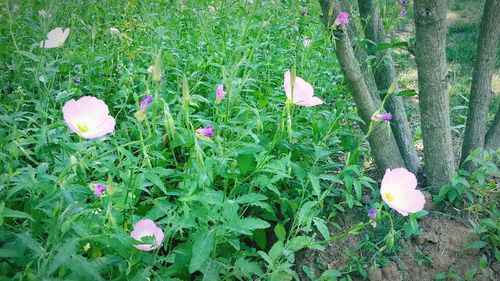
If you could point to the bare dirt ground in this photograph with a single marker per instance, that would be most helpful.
(441, 247)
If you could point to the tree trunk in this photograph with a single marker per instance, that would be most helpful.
(480, 92)
(493, 136)
(359, 52)
(384, 77)
(430, 28)
(383, 146)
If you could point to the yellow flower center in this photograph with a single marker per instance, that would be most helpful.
(389, 198)
(83, 128)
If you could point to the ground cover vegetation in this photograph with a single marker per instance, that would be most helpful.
(232, 140)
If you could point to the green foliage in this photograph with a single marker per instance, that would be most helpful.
(239, 205)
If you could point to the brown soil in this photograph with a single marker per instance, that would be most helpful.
(441, 247)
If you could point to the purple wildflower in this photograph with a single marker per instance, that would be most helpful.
(403, 3)
(304, 11)
(145, 102)
(372, 213)
(220, 94)
(384, 116)
(342, 19)
(99, 189)
(76, 80)
(207, 132)
(403, 12)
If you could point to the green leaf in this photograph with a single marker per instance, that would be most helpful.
(483, 262)
(83, 268)
(251, 198)
(247, 225)
(280, 232)
(202, 248)
(315, 184)
(320, 225)
(246, 163)
(9, 213)
(63, 255)
(440, 276)
(307, 212)
(265, 257)
(297, 243)
(407, 93)
(384, 46)
(10, 253)
(276, 250)
(477, 244)
(260, 238)
(155, 180)
(248, 268)
(471, 273)
(28, 55)
(309, 272)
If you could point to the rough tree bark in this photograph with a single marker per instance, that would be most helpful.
(359, 52)
(384, 77)
(430, 28)
(493, 136)
(480, 92)
(383, 145)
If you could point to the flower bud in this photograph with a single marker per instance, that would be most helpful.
(185, 90)
(140, 115)
(293, 76)
(157, 69)
(169, 124)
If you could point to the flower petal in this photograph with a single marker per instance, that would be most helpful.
(106, 127)
(147, 228)
(398, 180)
(143, 228)
(145, 247)
(95, 110)
(303, 91)
(313, 101)
(411, 201)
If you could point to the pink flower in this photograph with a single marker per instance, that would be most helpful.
(55, 38)
(342, 18)
(220, 94)
(398, 190)
(99, 190)
(147, 228)
(303, 93)
(88, 117)
(207, 132)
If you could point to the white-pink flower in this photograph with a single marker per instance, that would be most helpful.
(398, 190)
(55, 38)
(43, 13)
(307, 42)
(303, 92)
(88, 117)
(147, 228)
